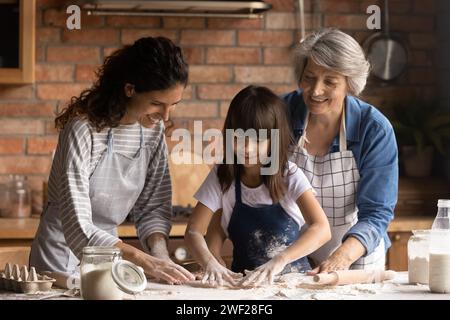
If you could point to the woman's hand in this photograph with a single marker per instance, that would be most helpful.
(341, 259)
(266, 272)
(165, 269)
(162, 269)
(157, 243)
(218, 274)
(337, 261)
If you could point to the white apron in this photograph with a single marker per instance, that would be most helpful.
(114, 187)
(335, 178)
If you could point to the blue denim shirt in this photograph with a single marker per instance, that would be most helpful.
(371, 138)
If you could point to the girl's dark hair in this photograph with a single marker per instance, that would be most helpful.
(258, 108)
(149, 64)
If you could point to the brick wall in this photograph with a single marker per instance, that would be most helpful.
(225, 55)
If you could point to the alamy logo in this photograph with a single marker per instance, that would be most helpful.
(248, 147)
(74, 20)
(374, 21)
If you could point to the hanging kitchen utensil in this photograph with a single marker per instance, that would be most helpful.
(301, 10)
(386, 52)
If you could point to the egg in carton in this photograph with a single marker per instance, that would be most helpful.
(23, 281)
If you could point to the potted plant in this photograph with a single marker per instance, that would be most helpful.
(421, 127)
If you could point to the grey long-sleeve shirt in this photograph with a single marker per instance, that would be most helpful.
(78, 152)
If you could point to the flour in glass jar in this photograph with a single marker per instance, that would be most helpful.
(97, 283)
(418, 270)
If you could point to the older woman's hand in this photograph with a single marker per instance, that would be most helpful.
(341, 259)
(337, 261)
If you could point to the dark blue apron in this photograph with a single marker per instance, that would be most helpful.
(259, 234)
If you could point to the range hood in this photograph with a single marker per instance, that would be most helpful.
(186, 8)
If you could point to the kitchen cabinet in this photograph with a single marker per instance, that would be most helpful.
(397, 256)
(419, 196)
(15, 255)
(20, 232)
(17, 52)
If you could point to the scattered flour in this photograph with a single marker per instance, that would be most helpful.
(275, 246)
(292, 286)
(360, 289)
(257, 235)
(287, 286)
(281, 294)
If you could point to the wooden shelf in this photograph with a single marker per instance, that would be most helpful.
(25, 229)
(406, 224)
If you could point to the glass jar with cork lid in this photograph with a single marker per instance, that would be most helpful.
(105, 276)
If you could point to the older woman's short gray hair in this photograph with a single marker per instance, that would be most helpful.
(335, 50)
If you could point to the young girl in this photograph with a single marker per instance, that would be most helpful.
(261, 214)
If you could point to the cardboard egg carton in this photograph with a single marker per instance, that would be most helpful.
(23, 281)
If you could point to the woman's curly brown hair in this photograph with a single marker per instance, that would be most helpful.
(149, 64)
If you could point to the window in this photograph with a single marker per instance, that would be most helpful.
(17, 51)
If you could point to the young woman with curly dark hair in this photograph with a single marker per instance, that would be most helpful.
(111, 161)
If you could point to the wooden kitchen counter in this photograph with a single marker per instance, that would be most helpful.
(20, 232)
(25, 229)
(397, 289)
(408, 223)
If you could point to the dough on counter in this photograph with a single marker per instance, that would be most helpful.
(286, 281)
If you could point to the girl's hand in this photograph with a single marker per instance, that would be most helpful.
(217, 274)
(220, 260)
(265, 272)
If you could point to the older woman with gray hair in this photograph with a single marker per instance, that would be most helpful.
(346, 148)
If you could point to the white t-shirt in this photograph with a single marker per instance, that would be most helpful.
(210, 194)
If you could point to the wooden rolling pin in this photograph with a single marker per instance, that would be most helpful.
(342, 277)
